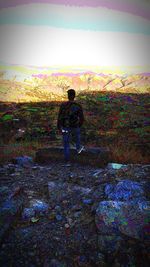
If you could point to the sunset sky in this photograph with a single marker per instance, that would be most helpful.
(75, 33)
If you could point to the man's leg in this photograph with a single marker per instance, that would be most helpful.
(79, 147)
(77, 138)
(66, 136)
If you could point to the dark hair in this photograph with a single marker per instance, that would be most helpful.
(71, 94)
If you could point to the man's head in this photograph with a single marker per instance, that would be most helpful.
(71, 94)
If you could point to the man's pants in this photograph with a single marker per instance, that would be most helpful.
(66, 139)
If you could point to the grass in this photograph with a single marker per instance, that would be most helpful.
(113, 120)
(127, 154)
(10, 151)
(119, 153)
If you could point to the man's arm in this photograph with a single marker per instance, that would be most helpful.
(59, 119)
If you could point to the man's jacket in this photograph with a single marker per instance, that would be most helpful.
(70, 115)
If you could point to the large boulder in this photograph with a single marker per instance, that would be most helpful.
(124, 190)
(130, 218)
(9, 210)
(125, 212)
(98, 156)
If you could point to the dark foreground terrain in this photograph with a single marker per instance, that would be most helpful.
(57, 216)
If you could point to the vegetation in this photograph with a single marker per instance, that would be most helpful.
(114, 119)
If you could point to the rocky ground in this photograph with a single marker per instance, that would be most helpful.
(58, 216)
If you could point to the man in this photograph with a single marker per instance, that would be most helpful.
(70, 119)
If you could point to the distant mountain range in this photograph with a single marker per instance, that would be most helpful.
(27, 83)
(21, 72)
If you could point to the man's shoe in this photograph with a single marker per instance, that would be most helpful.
(80, 150)
(67, 164)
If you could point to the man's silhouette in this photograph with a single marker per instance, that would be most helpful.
(70, 119)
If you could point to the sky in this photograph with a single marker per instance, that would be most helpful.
(75, 33)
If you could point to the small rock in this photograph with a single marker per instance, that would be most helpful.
(109, 243)
(52, 263)
(116, 166)
(59, 217)
(77, 214)
(97, 173)
(87, 201)
(28, 213)
(24, 161)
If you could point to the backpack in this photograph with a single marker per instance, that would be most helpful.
(70, 115)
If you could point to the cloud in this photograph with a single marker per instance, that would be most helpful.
(94, 19)
(136, 7)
